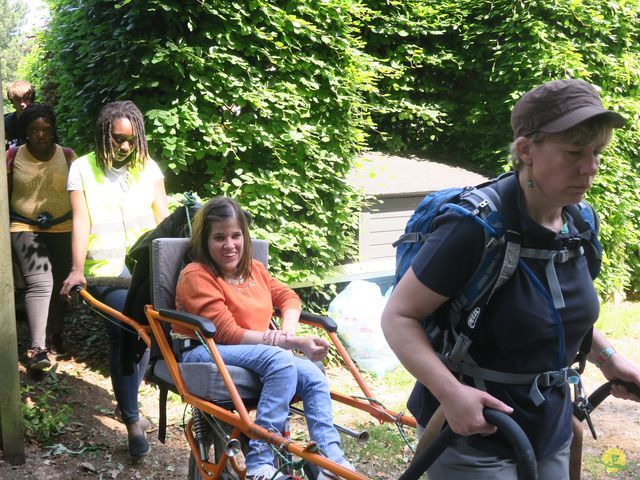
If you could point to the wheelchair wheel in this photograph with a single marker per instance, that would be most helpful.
(215, 444)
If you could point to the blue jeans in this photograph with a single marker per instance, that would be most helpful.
(125, 387)
(283, 375)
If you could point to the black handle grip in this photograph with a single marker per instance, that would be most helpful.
(421, 463)
(525, 456)
(632, 387)
(604, 390)
(325, 322)
(205, 326)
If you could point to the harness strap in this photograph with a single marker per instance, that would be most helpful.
(181, 345)
(552, 378)
(553, 257)
(558, 378)
(44, 220)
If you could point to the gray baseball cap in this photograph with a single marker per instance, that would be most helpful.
(557, 106)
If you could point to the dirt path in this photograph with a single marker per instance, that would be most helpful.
(93, 444)
(616, 453)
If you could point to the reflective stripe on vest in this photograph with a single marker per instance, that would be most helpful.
(115, 223)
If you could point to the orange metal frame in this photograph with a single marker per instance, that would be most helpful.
(239, 419)
(142, 330)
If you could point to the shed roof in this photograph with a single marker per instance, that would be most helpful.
(399, 175)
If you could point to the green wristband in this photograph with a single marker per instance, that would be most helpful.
(604, 355)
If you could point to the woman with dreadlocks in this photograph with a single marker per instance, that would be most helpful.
(117, 194)
(40, 226)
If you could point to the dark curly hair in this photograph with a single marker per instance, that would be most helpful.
(35, 111)
(103, 146)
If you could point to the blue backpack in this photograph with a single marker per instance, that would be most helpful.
(494, 206)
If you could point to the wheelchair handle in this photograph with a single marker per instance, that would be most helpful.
(525, 456)
(600, 394)
(120, 282)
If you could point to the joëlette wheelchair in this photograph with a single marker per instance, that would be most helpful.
(221, 396)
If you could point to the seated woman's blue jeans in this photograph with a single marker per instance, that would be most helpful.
(125, 387)
(283, 375)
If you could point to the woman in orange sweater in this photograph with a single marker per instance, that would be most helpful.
(225, 285)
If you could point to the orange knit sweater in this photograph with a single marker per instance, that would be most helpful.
(233, 309)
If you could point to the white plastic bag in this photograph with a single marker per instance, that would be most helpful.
(357, 310)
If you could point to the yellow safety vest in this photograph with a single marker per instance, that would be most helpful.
(117, 221)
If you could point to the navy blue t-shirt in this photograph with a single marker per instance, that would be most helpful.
(517, 332)
(14, 134)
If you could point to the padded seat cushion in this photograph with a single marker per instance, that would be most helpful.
(203, 380)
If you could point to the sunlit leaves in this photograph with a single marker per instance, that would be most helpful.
(257, 99)
(450, 72)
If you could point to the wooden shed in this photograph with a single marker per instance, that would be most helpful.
(396, 185)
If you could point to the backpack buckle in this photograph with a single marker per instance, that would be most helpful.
(562, 256)
(481, 206)
(572, 243)
(493, 241)
(411, 237)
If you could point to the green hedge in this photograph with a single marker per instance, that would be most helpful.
(458, 66)
(270, 101)
(255, 99)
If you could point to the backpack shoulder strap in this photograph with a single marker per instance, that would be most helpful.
(499, 261)
(11, 156)
(505, 192)
(69, 155)
(587, 222)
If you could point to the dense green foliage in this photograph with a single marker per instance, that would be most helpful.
(11, 39)
(459, 66)
(268, 101)
(244, 98)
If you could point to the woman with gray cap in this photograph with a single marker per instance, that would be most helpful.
(538, 319)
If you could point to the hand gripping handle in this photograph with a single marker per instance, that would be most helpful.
(524, 454)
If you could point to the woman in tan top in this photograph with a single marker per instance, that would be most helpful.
(41, 226)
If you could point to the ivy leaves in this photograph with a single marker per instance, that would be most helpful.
(270, 101)
(254, 99)
(450, 72)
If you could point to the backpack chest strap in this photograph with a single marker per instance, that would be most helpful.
(552, 257)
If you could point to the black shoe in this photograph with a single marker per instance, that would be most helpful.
(56, 346)
(138, 446)
(39, 359)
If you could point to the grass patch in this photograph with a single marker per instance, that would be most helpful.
(386, 446)
(43, 414)
(398, 378)
(620, 320)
